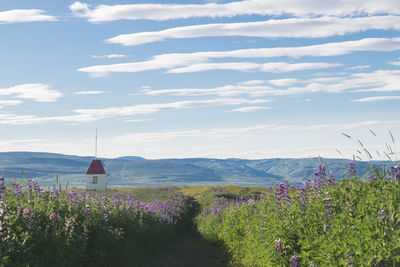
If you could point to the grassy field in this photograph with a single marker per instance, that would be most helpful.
(353, 222)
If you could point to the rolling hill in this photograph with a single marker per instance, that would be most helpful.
(137, 171)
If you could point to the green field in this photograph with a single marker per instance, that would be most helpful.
(352, 222)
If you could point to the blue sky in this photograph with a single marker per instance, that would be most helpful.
(161, 79)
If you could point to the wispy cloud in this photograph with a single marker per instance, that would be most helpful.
(250, 109)
(359, 67)
(111, 56)
(283, 28)
(89, 115)
(34, 91)
(153, 108)
(218, 133)
(376, 98)
(395, 63)
(24, 15)
(380, 80)
(4, 103)
(89, 92)
(273, 67)
(170, 61)
(103, 13)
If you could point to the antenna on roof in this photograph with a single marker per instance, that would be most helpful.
(95, 151)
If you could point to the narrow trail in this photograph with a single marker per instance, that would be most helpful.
(188, 249)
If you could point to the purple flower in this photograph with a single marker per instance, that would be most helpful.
(372, 177)
(352, 169)
(327, 212)
(87, 210)
(327, 199)
(106, 219)
(27, 212)
(294, 262)
(53, 216)
(278, 246)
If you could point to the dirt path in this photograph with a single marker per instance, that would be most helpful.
(188, 250)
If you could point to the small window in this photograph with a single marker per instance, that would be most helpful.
(95, 178)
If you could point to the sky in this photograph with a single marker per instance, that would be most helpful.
(177, 79)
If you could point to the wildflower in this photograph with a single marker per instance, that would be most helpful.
(278, 246)
(372, 177)
(3, 212)
(327, 199)
(380, 212)
(327, 212)
(27, 212)
(352, 169)
(53, 216)
(106, 219)
(87, 210)
(294, 262)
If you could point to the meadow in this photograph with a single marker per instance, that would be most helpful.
(351, 222)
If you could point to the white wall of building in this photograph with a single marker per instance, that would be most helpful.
(91, 182)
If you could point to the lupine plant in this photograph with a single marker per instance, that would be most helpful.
(352, 222)
(73, 228)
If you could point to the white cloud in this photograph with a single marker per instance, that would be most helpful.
(89, 92)
(377, 81)
(4, 103)
(104, 13)
(111, 56)
(252, 82)
(250, 109)
(89, 115)
(219, 133)
(276, 67)
(283, 28)
(169, 61)
(283, 82)
(395, 63)
(380, 80)
(154, 108)
(24, 15)
(34, 91)
(273, 67)
(239, 66)
(377, 98)
(359, 67)
(137, 120)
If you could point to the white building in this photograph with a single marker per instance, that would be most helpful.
(96, 176)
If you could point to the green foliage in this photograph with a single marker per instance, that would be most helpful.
(355, 222)
(69, 228)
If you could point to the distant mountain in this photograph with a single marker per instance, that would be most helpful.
(137, 171)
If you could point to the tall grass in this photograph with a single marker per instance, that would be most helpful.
(70, 228)
(354, 222)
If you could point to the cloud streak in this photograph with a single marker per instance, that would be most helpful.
(35, 91)
(273, 67)
(376, 81)
(176, 60)
(89, 115)
(376, 98)
(24, 15)
(110, 56)
(301, 8)
(282, 28)
(89, 92)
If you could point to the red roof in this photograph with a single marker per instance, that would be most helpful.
(96, 167)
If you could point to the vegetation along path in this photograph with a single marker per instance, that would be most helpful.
(189, 249)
